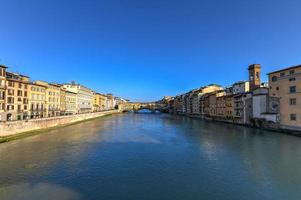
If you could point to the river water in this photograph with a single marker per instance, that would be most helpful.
(151, 157)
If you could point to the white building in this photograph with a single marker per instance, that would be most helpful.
(85, 97)
(71, 103)
(264, 106)
(241, 87)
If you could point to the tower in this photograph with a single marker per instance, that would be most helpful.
(254, 76)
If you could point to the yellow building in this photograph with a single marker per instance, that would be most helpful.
(96, 103)
(202, 95)
(16, 96)
(2, 92)
(102, 102)
(62, 101)
(286, 84)
(53, 96)
(37, 100)
(54, 99)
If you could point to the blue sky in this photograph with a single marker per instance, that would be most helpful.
(145, 49)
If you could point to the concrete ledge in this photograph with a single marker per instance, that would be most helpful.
(16, 127)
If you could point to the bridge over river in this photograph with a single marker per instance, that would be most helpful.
(136, 106)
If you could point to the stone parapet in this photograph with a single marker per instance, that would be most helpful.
(15, 127)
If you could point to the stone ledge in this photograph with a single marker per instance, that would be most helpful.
(17, 127)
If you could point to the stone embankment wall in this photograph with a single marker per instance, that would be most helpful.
(15, 127)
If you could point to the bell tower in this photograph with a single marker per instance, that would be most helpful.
(254, 76)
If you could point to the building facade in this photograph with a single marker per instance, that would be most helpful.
(37, 100)
(71, 103)
(286, 84)
(110, 102)
(53, 96)
(97, 104)
(265, 108)
(240, 87)
(85, 97)
(2, 92)
(62, 101)
(16, 96)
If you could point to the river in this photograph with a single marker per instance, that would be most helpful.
(151, 157)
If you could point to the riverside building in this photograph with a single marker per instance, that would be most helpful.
(71, 103)
(96, 104)
(16, 96)
(286, 84)
(85, 97)
(37, 100)
(53, 94)
(2, 92)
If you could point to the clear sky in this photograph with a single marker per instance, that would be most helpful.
(146, 49)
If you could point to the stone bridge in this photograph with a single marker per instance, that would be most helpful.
(136, 106)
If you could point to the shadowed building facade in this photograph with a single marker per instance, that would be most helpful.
(286, 84)
(2, 92)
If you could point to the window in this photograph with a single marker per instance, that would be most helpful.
(257, 75)
(293, 117)
(2, 83)
(10, 92)
(20, 85)
(2, 107)
(292, 89)
(19, 93)
(277, 88)
(282, 74)
(11, 84)
(2, 95)
(9, 107)
(274, 78)
(292, 72)
(292, 79)
(293, 101)
(10, 99)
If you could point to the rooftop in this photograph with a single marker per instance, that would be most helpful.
(288, 68)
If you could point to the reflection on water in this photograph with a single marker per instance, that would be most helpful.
(38, 191)
(151, 156)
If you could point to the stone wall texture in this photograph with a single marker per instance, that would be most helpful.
(15, 127)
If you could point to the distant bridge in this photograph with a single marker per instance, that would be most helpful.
(136, 106)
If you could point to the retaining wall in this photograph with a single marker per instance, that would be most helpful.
(15, 127)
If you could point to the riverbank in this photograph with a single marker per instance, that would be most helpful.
(263, 126)
(20, 129)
